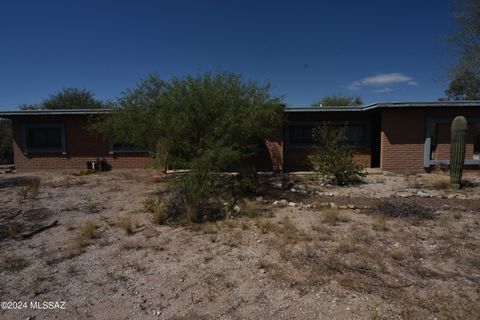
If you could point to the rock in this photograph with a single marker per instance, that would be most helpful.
(388, 174)
(333, 205)
(277, 185)
(292, 204)
(276, 202)
(237, 209)
(301, 187)
(422, 194)
(283, 203)
(351, 206)
(342, 206)
(262, 270)
(293, 190)
(259, 199)
(445, 207)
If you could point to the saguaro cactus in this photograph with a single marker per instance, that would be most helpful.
(457, 150)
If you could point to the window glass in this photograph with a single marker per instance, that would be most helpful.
(44, 138)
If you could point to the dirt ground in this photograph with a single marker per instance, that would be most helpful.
(90, 242)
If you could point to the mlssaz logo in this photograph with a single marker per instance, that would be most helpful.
(47, 305)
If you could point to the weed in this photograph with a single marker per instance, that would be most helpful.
(440, 183)
(251, 209)
(380, 223)
(126, 224)
(244, 225)
(333, 216)
(264, 225)
(87, 233)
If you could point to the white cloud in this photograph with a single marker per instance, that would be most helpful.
(383, 90)
(382, 80)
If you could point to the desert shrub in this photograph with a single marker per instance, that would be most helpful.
(404, 209)
(245, 184)
(87, 232)
(333, 160)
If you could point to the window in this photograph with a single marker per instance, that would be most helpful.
(302, 134)
(44, 138)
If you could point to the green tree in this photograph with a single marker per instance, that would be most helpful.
(337, 100)
(68, 98)
(465, 74)
(206, 123)
(6, 152)
(210, 118)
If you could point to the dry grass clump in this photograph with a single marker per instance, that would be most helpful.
(87, 232)
(264, 225)
(440, 183)
(251, 209)
(156, 207)
(126, 224)
(31, 188)
(379, 223)
(333, 216)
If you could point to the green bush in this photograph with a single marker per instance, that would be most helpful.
(333, 160)
(245, 183)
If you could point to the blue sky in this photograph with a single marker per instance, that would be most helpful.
(379, 50)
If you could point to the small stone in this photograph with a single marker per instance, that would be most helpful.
(445, 207)
(292, 204)
(351, 206)
(259, 199)
(276, 202)
(333, 205)
(422, 194)
(262, 270)
(236, 208)
(293, 190)
(283, 203)
(342, 206)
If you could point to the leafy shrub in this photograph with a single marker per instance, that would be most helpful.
(404, 209)
(333, 160)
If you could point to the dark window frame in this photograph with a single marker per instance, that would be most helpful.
(32, 150)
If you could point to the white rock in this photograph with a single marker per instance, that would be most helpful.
(237, 209)
(292, 204)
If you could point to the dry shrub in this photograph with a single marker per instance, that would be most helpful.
(264, 225)
(333, 216)
(440, 183)
(126, 224)
(86, 234)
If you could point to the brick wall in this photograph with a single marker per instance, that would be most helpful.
(403, 137)
(82, 146)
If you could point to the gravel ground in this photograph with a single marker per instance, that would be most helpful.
(287, 262)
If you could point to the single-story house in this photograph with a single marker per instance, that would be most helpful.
(397, 137)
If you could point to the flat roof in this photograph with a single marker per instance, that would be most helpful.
(377, 105)
(45, 112)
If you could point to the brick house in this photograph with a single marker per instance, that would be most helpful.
(398, 137)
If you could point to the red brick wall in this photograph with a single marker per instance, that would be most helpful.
(442, 151)
(82, 146)
(403, 136)
(297, 159)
